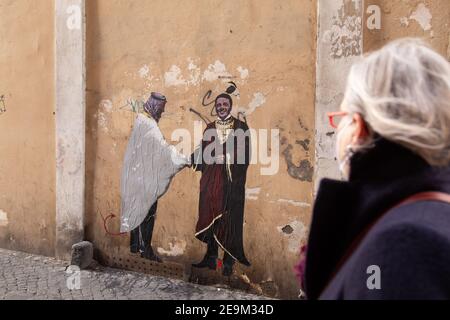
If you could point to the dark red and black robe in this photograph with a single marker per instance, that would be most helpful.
(222, 193)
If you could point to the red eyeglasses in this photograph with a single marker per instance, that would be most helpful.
(336, 117)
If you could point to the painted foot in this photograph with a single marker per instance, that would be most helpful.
(150, 255)
(134, 250)
(227, 270)
(207, 262)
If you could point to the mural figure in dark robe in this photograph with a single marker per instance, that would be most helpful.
(223, 158)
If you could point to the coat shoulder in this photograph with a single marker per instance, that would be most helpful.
(420, 227)
(425, 216)
(409, 249)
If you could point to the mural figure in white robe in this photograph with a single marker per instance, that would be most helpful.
(150, 164)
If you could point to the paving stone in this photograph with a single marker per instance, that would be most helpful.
(24, 276)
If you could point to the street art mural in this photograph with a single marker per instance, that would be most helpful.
(209, 218)
(222, 158)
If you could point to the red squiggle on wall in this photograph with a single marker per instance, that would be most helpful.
(105, 226)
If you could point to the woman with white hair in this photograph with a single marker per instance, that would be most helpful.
(384, 233)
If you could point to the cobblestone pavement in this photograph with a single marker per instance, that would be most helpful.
(29, 277)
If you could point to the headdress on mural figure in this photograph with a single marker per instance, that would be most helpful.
(155, 102)
(231, 90)
(149, 165)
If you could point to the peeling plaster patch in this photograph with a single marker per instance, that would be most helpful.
(243, 72)
(404, 21)
(177, 248)
(173, 77)
(192, 65)
(258, 100)
(252, 194)
(144, 71)
(214, 71)
(3, 219)
(102, 122)
(106, 105)
(193, 75)
(295, 203)
(345, 36)
(295, 232)
(195, 71)
(423, 16)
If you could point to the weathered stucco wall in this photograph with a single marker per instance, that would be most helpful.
(182, 48)
(428, 19)
(340, 35)
(27, 139)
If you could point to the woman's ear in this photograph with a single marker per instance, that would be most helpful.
(361, 131)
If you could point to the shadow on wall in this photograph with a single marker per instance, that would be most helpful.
(93, 80)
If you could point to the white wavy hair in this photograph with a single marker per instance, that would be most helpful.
(403, 93)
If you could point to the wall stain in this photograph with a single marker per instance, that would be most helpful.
(287, 229)
(303, 172)
(300, 122)
(2, 104)
(304, 144)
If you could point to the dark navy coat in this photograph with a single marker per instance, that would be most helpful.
(409, 244)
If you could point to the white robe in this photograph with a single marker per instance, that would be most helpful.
(148, 168)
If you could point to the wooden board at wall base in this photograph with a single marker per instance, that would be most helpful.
(134, 262)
